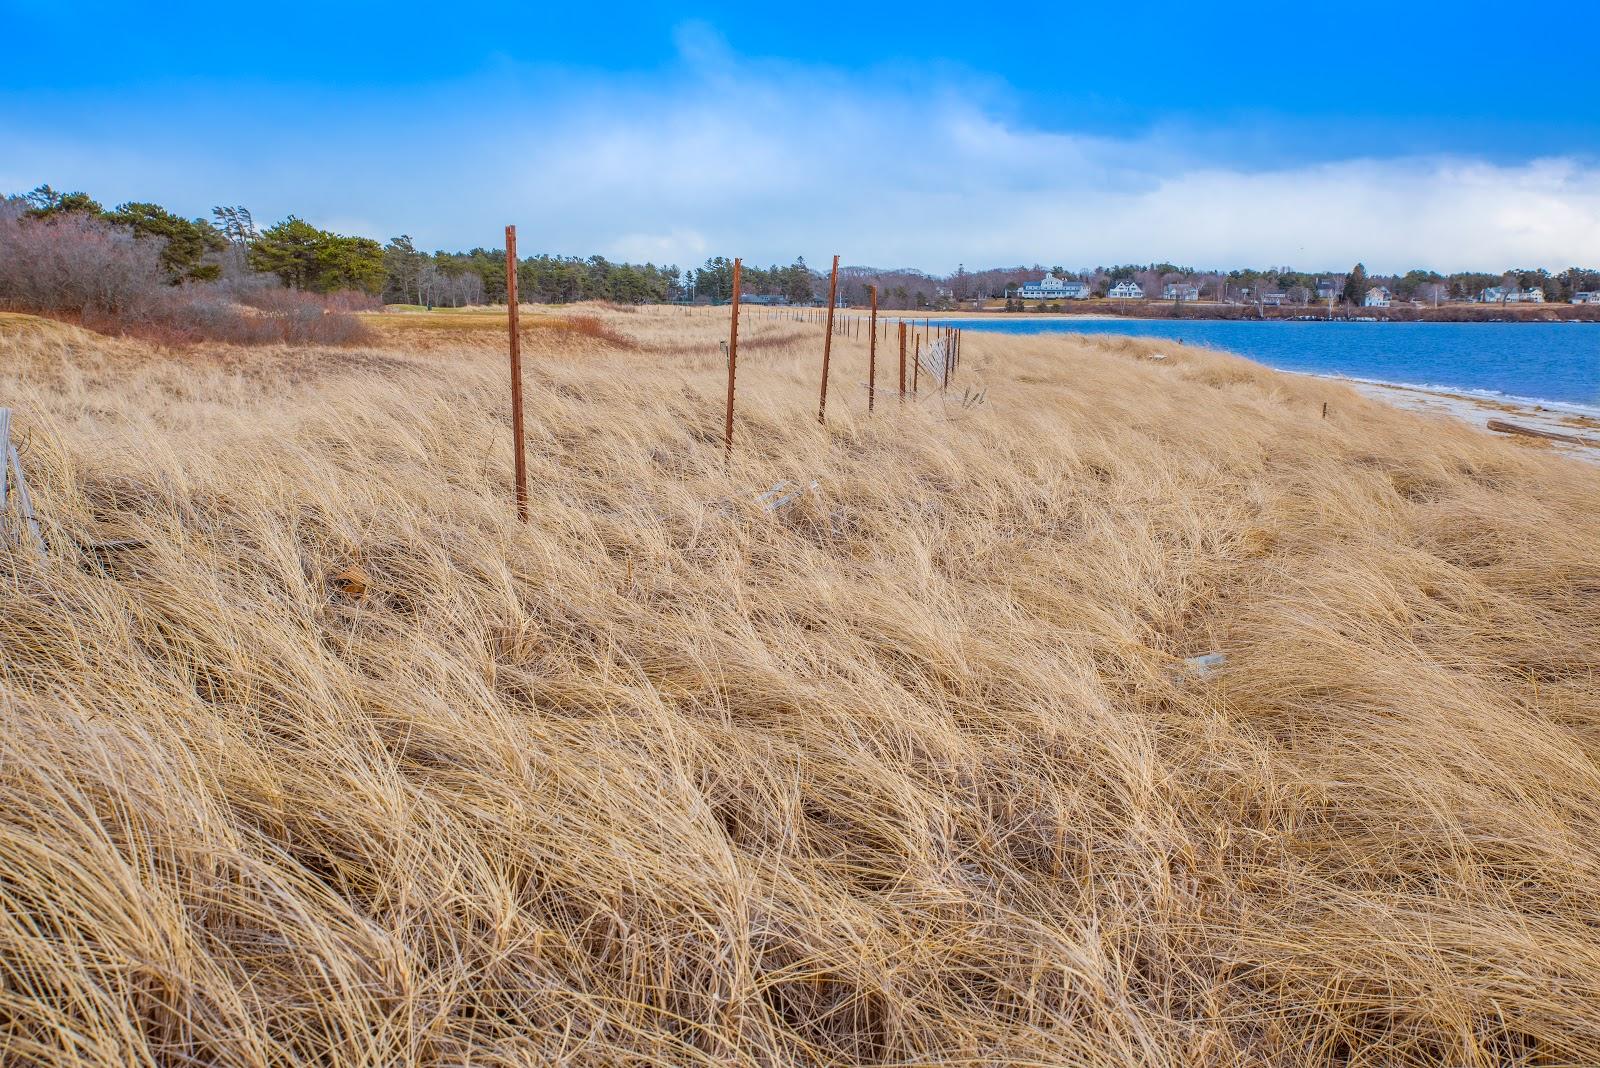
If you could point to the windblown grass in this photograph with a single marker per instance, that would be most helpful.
(908, 772)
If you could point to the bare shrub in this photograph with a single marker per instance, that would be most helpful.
(80, 265)
(595, 327)
(100, 275)
(273, 316)
(353, 300)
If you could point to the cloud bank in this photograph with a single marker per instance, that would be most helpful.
(893, 167)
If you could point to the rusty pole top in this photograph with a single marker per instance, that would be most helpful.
(514, 328)
(827, 340)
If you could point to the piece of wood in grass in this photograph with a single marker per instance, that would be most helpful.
(1503, 427)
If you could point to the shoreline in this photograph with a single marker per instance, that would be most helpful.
(1556, 417)
(1474, 406)
(1058, 317)
(1535, 314)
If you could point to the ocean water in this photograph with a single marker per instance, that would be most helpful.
(1550, 362)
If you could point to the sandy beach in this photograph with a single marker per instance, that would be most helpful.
(1568, 419)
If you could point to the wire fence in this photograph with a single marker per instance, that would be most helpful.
(935, 349)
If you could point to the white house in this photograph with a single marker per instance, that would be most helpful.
(1586, 297)
(1275, 299)
(1052, 288)
(1180, 291)
(1512, 295)
(1378, 297)
(1126, 291)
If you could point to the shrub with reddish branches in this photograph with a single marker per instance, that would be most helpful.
(80, 267)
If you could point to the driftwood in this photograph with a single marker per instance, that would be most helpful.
(1533, 432)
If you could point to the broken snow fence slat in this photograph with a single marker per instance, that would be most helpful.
(25, 501)
(5, 455)
(782, 495)
(10, 459)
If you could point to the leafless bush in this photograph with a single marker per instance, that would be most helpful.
(269, 316)
(597, 328)
(79, 265)
(102, 276)
(353, 300)
(449, 289)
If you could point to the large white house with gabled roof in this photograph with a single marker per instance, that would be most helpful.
(1052, 288)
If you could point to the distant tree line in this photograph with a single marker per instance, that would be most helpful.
(1247, 285)
(305, 258)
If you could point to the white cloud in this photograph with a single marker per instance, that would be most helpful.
(770, 161)
(684, 246)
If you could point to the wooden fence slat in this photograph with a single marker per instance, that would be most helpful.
(5, 453)
(25, 501)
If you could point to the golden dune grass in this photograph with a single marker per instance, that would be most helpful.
(909, 772)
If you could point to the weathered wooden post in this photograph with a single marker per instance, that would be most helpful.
(872, 352)
(827, 341)
(733, 365)
(514, 325)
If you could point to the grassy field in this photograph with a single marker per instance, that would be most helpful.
(313, 755)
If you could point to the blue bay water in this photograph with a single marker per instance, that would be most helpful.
(1536, 361)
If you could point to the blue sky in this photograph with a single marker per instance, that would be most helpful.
(1448, 138)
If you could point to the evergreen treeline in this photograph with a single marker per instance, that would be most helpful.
(306, 258)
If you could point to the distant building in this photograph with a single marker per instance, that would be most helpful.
(1378, 297)
(1180, 291)
(1052, 288)
(1328, 288)
(1126, 291)
(762, 298)
(1274, 299)
(1512, 295)
(1586, 297)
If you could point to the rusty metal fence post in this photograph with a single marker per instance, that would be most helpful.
(514, 327)
(902, 361)
(733, 365)
(827, 341)
(872, 352)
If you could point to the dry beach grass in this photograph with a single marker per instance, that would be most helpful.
(331, 762)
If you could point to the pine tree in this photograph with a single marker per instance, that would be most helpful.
(188, 242)
(1355, 285)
